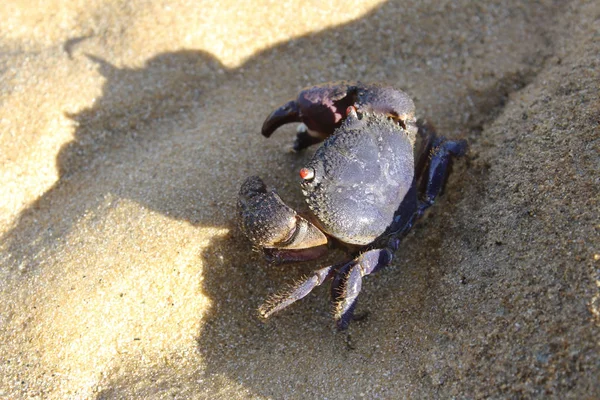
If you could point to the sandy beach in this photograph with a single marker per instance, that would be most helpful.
(126, 130)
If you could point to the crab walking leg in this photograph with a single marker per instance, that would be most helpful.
(348, 282)
(306, 138)
(426, 132)
(439, 163)
(434, 160)
(296, 292)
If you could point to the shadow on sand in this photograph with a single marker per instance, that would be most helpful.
(113, 135)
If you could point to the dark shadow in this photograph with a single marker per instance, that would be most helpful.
(70, 45)
(390, 44)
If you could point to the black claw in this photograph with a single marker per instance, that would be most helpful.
(285, 114)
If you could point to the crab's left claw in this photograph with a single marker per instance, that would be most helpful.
(282, 234)
(287, 113)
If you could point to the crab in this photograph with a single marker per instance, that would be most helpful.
(366, 186)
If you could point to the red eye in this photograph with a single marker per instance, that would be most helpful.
(307, 173)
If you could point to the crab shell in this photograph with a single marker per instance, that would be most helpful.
(359, 177)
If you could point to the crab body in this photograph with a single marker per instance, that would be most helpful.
(361, 186)
(361, 175)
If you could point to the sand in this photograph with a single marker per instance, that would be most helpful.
(127, 128)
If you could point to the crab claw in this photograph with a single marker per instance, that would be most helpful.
(320, 108)
(287, 113)
(271, 225)
(323, 108)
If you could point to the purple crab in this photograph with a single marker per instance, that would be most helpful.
(365, 187)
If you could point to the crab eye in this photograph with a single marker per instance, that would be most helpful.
(307, 173)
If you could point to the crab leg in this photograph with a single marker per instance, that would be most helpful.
(348, 282)
(439, 164)
(296, 292)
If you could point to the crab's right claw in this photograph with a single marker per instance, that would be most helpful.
(287, 113)
(277, 229)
